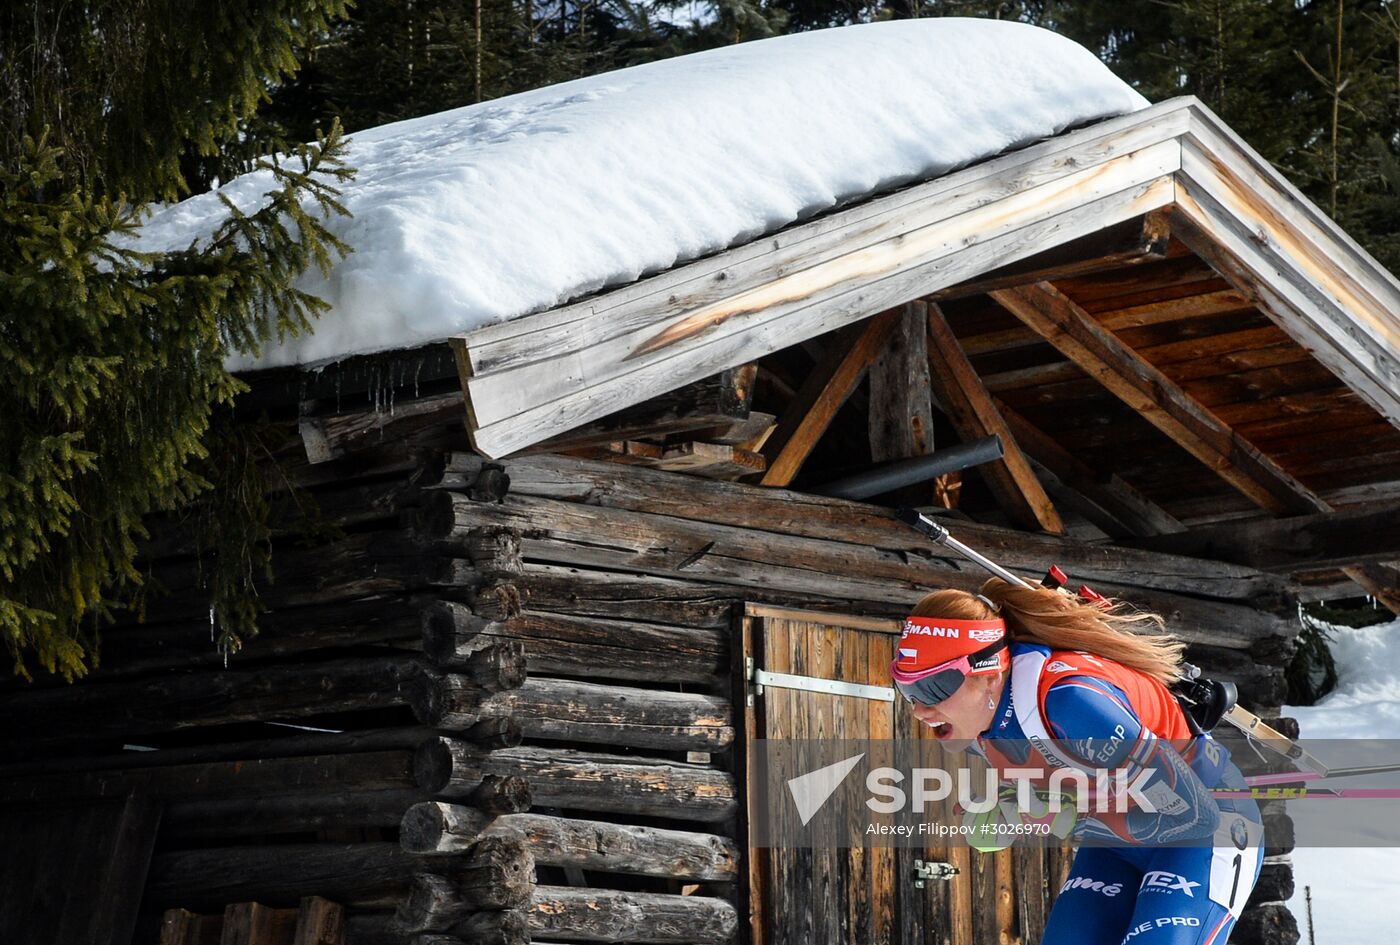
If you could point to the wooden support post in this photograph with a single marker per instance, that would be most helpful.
(901, 414)
(1071, 330)
(975, 416)
(826, 389)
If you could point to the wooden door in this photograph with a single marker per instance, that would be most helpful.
(868, 895)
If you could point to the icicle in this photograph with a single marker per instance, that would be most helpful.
(211, 623)
(417, 371)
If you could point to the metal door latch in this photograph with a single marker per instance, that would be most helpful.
(923, 872)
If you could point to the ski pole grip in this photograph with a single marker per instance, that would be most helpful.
(922, 523)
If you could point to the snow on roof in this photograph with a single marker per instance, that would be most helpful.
(493, 211)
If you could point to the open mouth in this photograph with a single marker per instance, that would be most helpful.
(941, 730)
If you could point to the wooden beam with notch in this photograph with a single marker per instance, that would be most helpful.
(975, 415)
(825, 390)
(1144, 239)
(1071, 330)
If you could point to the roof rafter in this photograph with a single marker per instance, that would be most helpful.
(1061, 322)
(974, 414)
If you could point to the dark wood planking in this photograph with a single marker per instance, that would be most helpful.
(1236, 361)
(1110, 502)
(1168, 407)
(1362, 440)
(77, 867)
(1184, 339)
(1318, 401)
(1145, 283)
(1262, 384)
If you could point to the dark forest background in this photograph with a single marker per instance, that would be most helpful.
(1312, 84)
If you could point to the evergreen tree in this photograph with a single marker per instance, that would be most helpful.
(112, 358)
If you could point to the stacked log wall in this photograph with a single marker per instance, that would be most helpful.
(513, 700)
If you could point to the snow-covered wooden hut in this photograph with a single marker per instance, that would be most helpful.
(605, 361)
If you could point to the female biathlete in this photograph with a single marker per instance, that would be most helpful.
(1038, 678)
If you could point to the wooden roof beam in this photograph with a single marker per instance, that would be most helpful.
(825, 390)
(1359, 535)
(1144, 239)
(1381, 581)
(974, 415)
(1072, 331)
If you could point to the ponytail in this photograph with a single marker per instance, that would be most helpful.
(1064, 622)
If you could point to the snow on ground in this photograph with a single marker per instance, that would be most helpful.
(1353, 889)
(492, 211)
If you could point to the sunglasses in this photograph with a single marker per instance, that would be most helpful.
(934, 685)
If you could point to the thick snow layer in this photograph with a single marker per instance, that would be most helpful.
(493, 211)
(1353, 888)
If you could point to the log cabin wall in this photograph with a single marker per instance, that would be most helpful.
(505, 711)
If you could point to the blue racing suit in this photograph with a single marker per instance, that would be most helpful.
(1177, 876)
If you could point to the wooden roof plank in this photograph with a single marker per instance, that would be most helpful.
(975, 415)
(1129, 244)
(1144, 388)
(789, 306)
(522, 390)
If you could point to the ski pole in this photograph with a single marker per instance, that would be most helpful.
(931, 529)
(1242, 719)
